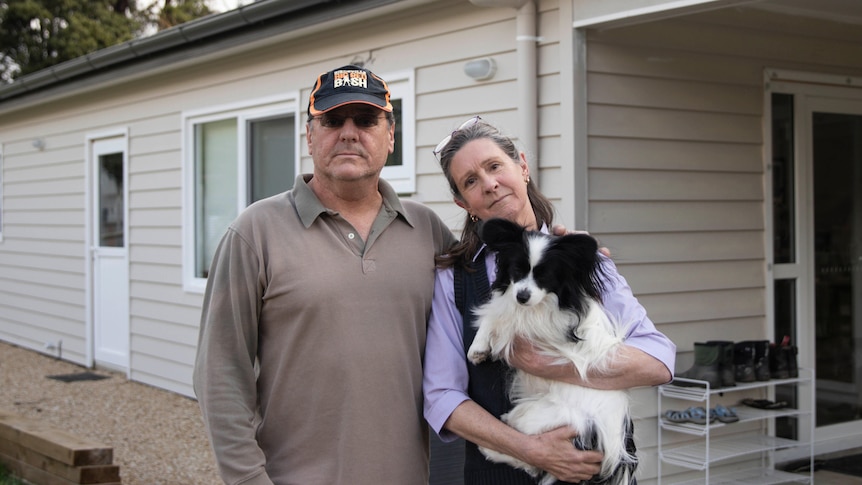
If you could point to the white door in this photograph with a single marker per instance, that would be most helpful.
(110, 255)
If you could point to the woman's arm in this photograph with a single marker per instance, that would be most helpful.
(631, 367)
(552, 451)
(647, 357)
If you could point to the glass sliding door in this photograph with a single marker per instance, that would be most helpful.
(837, 160)
(816, 251)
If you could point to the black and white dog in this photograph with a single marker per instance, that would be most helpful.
(548, 291)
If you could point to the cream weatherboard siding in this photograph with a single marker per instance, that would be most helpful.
(676, 168)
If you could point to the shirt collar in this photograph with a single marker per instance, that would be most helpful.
(309, 207)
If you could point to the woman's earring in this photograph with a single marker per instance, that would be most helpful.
(527, 180)
(473, 218)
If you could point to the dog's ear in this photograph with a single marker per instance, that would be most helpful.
(580, 244)
(500, 232)
(583, 261)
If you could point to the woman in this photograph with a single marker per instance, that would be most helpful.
(490, 178)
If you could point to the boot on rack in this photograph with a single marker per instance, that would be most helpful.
(761, 360)
(743, 361)
(725, 362)
(782, 360)
(706, 366)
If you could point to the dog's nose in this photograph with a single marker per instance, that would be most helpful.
(523, 296)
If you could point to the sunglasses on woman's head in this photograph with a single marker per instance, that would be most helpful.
(445, 141)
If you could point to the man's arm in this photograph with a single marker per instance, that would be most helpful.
(224, 376)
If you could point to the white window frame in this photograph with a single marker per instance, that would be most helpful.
(2, 205)
(242, 112)
(403, 178)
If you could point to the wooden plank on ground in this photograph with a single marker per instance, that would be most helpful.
(87, 474)
(51, 442)
(37, 476)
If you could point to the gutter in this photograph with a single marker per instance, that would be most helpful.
(212, 33)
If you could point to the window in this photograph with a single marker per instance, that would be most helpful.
(234, 156)
(1, 192)
(400, 169)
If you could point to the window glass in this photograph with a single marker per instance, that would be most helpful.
(270, 171)
(837, 206)
(783, 176)
(396, 158)
(215, 187)
(111, 196)
(1, 192)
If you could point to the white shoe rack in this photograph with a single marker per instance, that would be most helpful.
(702, 447)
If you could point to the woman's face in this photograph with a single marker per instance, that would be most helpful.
(491, 184)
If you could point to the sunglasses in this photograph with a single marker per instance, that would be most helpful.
(445, 141)
(361, 120)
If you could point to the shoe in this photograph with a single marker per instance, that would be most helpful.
(699, 415)
(676, 416)
(723, 414)
(743, 361)
(726, 367)
(696, 415)
(782, 360)
(761, 360)
(706, 366)
(764, 404)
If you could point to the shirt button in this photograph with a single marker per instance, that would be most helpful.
(351, 236)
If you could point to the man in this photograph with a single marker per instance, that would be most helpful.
(309, 365)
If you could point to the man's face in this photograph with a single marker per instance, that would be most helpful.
(350, 142)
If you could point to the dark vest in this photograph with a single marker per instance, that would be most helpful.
(489, 381)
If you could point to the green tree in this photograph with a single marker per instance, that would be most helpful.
(176, 12)
(36, 34)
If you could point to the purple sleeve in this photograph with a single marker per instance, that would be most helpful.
(444, 383)
(622, 306)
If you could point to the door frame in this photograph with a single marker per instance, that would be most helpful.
(91, 189)
(811, 92)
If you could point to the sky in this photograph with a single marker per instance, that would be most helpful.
(225, 5)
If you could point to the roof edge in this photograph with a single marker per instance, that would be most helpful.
(209, 27)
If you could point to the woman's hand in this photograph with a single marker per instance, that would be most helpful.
(560, 230)
(554, 452)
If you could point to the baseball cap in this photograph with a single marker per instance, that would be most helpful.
(345, 85)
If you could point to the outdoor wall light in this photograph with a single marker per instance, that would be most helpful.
(481, 69)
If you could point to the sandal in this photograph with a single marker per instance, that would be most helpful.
(723, 414)
(676, 416)
(764, 404)
(697, 415)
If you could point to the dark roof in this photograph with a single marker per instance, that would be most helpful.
(213, 33)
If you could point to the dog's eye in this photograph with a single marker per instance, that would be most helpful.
(520, 270)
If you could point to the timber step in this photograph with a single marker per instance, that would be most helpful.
(41, 454)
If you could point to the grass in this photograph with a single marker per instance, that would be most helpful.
(6, 477)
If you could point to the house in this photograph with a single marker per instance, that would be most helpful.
(712, 145)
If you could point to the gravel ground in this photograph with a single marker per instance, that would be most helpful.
(158, 436)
